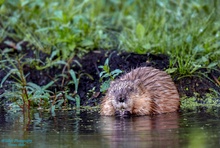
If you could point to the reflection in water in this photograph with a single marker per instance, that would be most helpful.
(146, 131)
(89, 129)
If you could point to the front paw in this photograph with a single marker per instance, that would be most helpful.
(127, 113)
(117, 113)
(122, 113)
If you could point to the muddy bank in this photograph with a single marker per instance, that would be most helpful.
(87, 67)
(187, 86)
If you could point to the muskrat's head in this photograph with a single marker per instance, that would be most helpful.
(120, 92)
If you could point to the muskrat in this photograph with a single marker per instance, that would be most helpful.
(142, 91)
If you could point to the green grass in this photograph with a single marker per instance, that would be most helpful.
(188, 31)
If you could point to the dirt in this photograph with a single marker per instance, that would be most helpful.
(90, 63)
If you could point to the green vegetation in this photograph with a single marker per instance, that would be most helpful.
(107, 75)
(187, 31)
(24, 94)
(209, 102)
(27, 95)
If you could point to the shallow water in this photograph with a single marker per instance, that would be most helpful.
(89, 129)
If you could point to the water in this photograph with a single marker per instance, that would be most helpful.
(89, 129)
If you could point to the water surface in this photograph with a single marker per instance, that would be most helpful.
(89, 129)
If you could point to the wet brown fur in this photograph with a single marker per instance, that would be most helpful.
(145, 91)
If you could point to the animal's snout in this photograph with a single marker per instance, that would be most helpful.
(121, 99)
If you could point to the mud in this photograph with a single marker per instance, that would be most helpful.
(89, 65)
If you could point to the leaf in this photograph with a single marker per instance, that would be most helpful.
(50, 64)
(53, 54)
(106, 62)
(77, 98)
(71, 47)
(59, 14)
(102, 73)
(14, 45)
(171, 70)
(60, 102)
(147, 46)
(77, 62)
(88, 75)
(101, 66)
(45, 29)
(195, 67)
(53, 110)
(203, 59)
(24, 3)
(72, 74)
(105, 86)
(10, 72)
(86, 43)
(189, 39)
(75, 80)
(116, 72)
(211, 65)
(106, 68)
(106, 75)
(33, 85)
(49, 84)
(70, 98)
(45, 97)
(198, 49)
(140, 31)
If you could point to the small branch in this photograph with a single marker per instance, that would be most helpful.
(216, 80)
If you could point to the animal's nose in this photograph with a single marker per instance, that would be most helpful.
(121, 99)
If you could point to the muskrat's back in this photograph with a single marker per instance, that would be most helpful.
(143, 91)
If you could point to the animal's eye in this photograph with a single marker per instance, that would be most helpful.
(131, 89)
